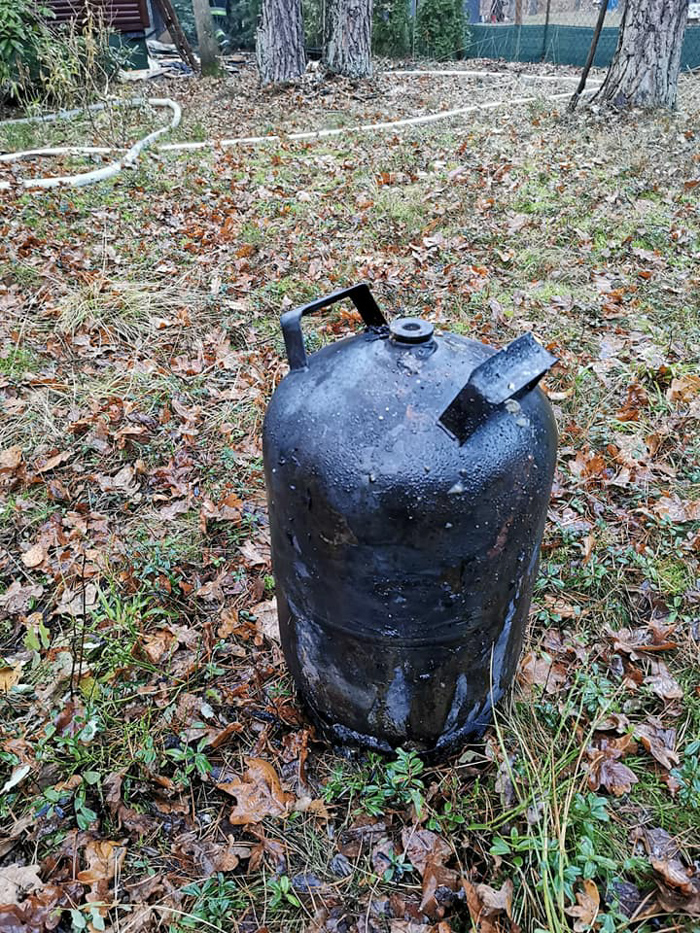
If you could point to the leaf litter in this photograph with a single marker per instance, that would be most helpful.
(156, 769)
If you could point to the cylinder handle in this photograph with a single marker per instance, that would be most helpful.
(508, 374)
(359, 294)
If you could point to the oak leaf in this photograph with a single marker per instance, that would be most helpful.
(10, 457)
(659, 742)
(258, 794)
(34, 556)
(586, 910)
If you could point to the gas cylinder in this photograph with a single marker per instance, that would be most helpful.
(408, 474)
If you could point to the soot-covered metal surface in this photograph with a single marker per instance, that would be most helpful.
(408, 477)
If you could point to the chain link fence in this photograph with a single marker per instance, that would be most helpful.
(558, 31)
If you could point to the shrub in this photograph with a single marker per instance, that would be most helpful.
(391, 34)
(45, 63)
(23, 35)
(440, 29)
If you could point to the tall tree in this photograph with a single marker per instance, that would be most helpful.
(279, 42)
(348, 40)
(644, 70)
(206, 38)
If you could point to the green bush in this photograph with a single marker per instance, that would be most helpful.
(440, 29)
(24, 35)
(312, 11)
(42, 63)
(391, 33)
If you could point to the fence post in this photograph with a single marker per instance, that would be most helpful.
(546, 29)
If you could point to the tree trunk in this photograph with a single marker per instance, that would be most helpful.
(348, 41)
(279, 44)
(644, 71)
(206, 38)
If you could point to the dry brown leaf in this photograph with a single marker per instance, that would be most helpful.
(17, 598)
(684, 388)
(34, 556)
(10, 457)
(364, 831)
(542, 672)
(254, 555)
(258, 794)
(679, 887)
(42, 910)
(606, 770)
(657, 842)
(662, 683)
(104, 857)
(677, 510)
(77, 602)
(18, 880)
(229, 622)
(586, 910)
(436, 878)
(423, 847)
(659, 742)
(485, 904)
(54, 461)
(223, 735)
(121, 482)
(9, 676)
(267, 621)
(157, 644)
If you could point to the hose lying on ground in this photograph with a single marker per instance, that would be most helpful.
(107, 171)
(131, 155)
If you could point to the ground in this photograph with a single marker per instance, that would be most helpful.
(158, 771)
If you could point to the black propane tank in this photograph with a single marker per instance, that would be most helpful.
(408, 476)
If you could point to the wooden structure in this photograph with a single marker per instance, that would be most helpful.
(125, 16)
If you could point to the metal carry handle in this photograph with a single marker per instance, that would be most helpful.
(508, 374)
(361, 297)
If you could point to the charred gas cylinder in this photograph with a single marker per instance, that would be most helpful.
(408, 476)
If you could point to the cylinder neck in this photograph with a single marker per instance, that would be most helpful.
(411, 330)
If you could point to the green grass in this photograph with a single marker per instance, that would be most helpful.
(153, 323)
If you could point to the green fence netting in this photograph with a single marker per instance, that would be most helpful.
(558, 43)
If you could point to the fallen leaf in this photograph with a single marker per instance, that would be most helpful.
(659, 742)
(157, 644)
(258, 794)
(363, 832)
(677, 510)
(684, 388)
(485, 903)
(121, 482)
(662, 683)
(17, 598)
(606, 770)
(657, 842)
(679, 887)
(19, 773)
(266, 619)
(423, 847)
(587, 908)
(54, 461)
(9, 676)
(104, 857)
(542, 672)
(254, 555)
(34, 556)
(77, 602)
(18, 880)
(10, 457)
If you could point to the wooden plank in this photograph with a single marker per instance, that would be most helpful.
(122, 15)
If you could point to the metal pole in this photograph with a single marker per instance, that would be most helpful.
(591, 55)
(546, 29)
